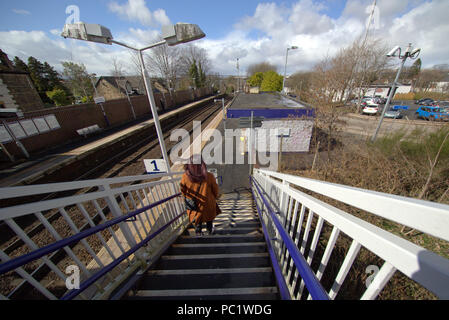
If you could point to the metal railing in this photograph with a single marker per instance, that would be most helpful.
(107, 235)
(294, 222)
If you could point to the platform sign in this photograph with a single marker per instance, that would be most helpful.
(155, 166)
(4, 135)
(99, 100)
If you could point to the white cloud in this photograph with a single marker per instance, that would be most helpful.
(263, 36)
(21, 11)
(137, 11)
(55, 32)
(305, 24)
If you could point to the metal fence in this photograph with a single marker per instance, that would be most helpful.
(105, 235)
(294, 222)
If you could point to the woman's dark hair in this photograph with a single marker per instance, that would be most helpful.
(196, 169)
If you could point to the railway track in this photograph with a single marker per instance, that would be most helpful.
(125, 163)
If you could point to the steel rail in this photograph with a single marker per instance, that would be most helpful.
(313, 285)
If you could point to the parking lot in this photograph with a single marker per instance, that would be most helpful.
(409, 114)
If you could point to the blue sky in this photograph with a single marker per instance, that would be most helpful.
(251, 30)
(215, 17)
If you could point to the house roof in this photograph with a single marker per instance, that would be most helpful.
(135, 82)
(6, 65)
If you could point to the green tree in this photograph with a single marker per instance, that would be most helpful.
(59, 97)
(201, 75)
(261, 67)
(37, 74)
(194, 74)
(271, 81)
(256, 79)
(78, 80)
(20, 64)
(45, 78)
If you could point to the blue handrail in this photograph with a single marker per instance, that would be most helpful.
(72, 294)
(313, 285)
(283, 290)
(26, 258)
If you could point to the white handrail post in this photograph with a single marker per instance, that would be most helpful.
(117, 212)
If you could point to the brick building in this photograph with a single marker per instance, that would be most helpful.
(112, 88)
(16, 88)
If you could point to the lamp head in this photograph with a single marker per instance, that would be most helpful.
(415, 53)
(181, 33)
(87, 32)
(393, 52)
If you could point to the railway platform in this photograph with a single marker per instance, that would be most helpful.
(32, 171)
(279, 236)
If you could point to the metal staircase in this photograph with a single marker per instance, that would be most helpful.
(129, 238)
(231, 264)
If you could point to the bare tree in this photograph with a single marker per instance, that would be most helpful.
(165, 61)
(135, 62)
(260, 67)
(189, 54)
(117, 69)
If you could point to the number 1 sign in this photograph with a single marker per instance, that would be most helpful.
(154, 166)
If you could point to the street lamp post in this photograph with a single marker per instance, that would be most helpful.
(285, 69)
(96, 95)
(172, 34)
(408, 54)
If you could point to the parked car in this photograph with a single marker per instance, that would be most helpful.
(372, 102)
(432, 113)
(425, 101)
(370, 110)
(393, 114)
(383, 100)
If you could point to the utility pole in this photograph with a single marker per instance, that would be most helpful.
(238, 75)
(408, 54)
(359, 101)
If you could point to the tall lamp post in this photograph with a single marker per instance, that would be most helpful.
(92, 76)
(172, 35)
(396, 51)
(285, 69)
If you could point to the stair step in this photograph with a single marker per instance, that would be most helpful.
(218, 293)
(217, 248)
(212, 261)
(229, 231)
(231, 224)
(215, 256)
(208, 271)
(221, 238)
(207, 281)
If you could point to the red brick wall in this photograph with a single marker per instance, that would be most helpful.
(72, 118)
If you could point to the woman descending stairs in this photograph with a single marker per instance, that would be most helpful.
(233, 263)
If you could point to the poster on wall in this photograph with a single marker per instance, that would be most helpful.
(41, 125)
(17, 130)
(4, 135)
(52, 122)
(29, 127)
